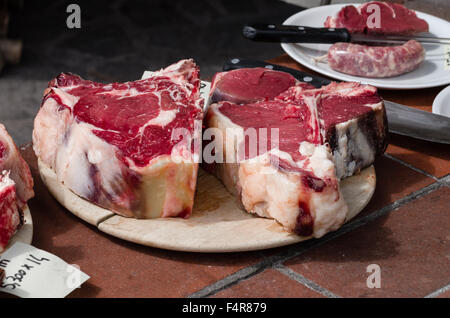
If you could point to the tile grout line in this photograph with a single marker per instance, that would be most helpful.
(230, 280)
(438, 292)
(410, 166)
(304, 281)
(445, 180)
(274, 260)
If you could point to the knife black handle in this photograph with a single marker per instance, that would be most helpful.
(294, 34)
(237, 63)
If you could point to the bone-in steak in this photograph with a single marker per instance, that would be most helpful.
(117, 144)
(323, 135)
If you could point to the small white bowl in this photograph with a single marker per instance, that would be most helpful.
(441, 104)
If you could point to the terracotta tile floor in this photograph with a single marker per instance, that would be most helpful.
(410, 244)
(430, 157)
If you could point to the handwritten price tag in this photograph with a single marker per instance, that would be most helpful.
(31, 273)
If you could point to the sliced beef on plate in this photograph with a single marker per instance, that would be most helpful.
(16, 187)
(394, 19)
(128, 147)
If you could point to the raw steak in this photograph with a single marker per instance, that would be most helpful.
(129, 147)
(394, 19)
(249, 85)
(323, 135)
(16, 187)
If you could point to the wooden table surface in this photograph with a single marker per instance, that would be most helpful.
(405, 230)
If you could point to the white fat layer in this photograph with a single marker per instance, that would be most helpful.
(5, 180)
(330, 211)
(164, 118)
(66, 98)
(319, 159)
(271, 194)
(328, 207)
(306, 148)
(147, 74)
(76, 156)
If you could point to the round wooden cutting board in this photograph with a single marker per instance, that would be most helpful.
(25, 234)
(217, 223)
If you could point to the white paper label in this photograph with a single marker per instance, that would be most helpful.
(31, 273)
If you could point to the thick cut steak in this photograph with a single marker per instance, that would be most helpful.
(129, 147)
(16, 187)
(310, 139)
(394, 19)
(353, 116)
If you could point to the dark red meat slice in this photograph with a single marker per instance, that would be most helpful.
(395, 19)
(246, 86)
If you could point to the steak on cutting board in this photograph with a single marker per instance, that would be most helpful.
(16, 187)
(352, 116)
(394, 19)
(323, 135)
(113, 144)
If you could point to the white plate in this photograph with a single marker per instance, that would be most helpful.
(430, 73)
(25, 234)
(441, 104)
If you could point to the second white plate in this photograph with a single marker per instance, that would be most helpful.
(441, 104)
(431, 72)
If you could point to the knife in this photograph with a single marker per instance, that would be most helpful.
(302, 34)
(402, 120)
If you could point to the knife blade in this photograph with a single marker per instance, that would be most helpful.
(402, 120)
(303, 34)
(419, 124)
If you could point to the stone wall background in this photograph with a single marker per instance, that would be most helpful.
(119, 39)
